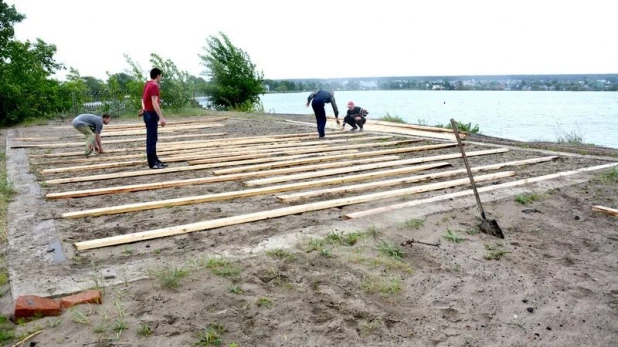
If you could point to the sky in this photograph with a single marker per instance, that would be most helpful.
(333, 39)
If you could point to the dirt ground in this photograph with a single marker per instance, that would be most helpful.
(346, 283)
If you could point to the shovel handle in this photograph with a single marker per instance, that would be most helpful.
(465, 159)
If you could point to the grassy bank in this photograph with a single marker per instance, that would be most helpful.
(6, 192)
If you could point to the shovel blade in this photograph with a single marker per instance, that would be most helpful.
(491, 227)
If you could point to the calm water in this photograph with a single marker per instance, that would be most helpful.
(526, 116)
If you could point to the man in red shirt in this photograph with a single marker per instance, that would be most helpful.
(151, 106)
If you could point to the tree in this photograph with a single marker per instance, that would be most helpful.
(25, 88)
(234, 81)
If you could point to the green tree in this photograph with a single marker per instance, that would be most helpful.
(26, 91)
(235, 82)
(176, 87)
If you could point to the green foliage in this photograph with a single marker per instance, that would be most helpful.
(462, 127)
(26, 90)
(390, 250)
(452, 236)
(393, 118)
(610, 176)
(235, 82)
(526, 198)
(414, 223)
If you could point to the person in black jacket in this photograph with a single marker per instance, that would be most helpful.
(318, 100)
(356, 116)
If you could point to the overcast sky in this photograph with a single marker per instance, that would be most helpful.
(337, 38)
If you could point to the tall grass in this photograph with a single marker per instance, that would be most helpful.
(572, 137)
(393, 118)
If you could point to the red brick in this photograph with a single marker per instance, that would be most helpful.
(87, 297)
(31, 305)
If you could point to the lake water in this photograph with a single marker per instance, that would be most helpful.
(526, 116)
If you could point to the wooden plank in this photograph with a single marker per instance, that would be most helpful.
(610, 211)
(398, 181)
(252, 217)
(161, 130)
(172, 159)
(300, 185)
(382, 128)
(150, 172)
(226, 195)
(279, 144)
(381, 210)
(308, 160)
(138, 125)
(287, 178)
(91, 167)
(313, 149)
(281, 136)
(141, 139)
(163, 145)
(413, 126)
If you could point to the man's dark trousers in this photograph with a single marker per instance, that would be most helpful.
(151, 119)
(320, 116)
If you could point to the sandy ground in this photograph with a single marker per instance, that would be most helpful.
(555, 285)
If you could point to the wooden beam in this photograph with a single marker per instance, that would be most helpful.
(413, 126)
(610, 211)
(175, 145)
(382, 128)
(325, 147)
(141, 125)
(381, 210)
(141, 139)
(398, 181)
(161, 130)
(292, 143)
(223, 162)
(308, 160)
(91, 167)
(150, 172)
(282, 136)
(301, 176)
(252, 217)
(299, 185)
(226, 195)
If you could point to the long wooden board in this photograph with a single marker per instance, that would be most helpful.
(161, 130)
(380, 210)
(314, 149)
(413, 126)
(399, 181)
(286, 178)
(327, 148)
(311, 160)
(177, 158)
(251, 217)
(238, 139)
(388, 129)
(208, 166)
(228, 195)
(141, 125)
(300, 185)
(610, 211)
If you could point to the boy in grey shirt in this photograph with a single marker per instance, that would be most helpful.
(91, 126)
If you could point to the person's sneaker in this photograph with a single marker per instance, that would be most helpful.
(361, 129)
(353, 129)
(162, 164)
(157, 166)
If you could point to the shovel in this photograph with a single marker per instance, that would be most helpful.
(488, 226)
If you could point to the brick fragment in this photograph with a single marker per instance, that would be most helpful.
(85, 297)
(31, 305)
